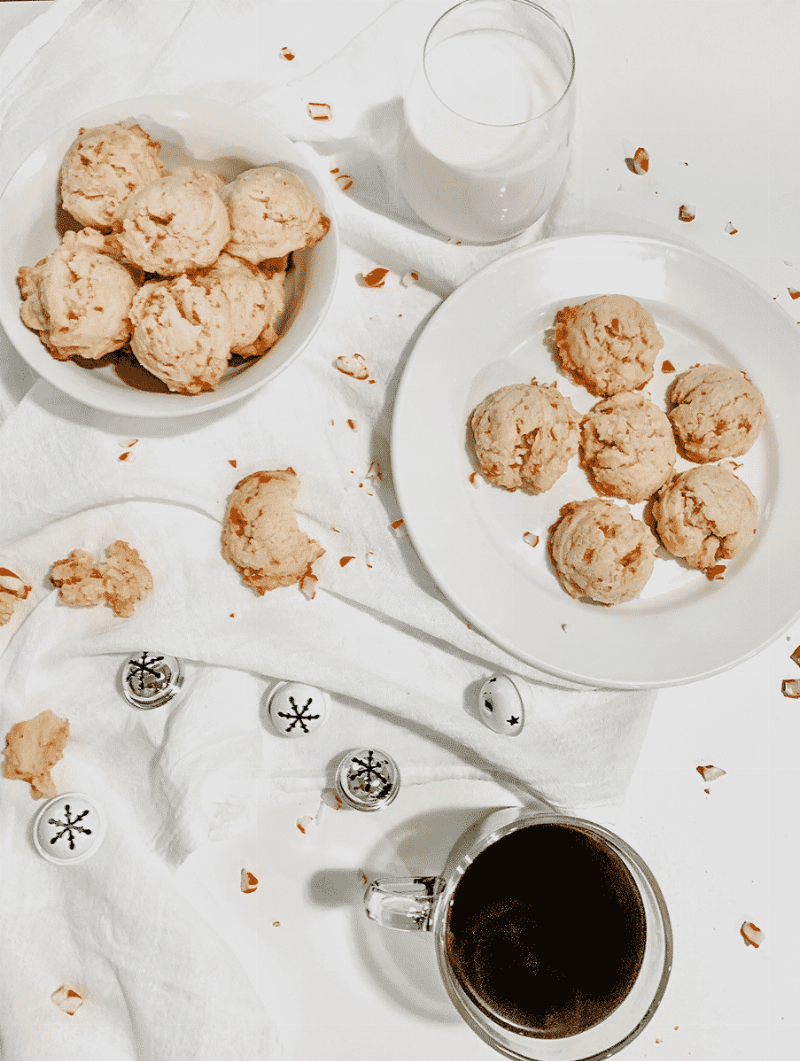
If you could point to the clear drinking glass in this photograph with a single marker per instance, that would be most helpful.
(628, 892)
(488, 119)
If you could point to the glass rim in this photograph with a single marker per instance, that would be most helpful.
(502, 125)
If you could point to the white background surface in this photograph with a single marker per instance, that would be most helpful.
(712, 91)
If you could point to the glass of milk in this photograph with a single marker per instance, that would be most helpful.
(488, 118)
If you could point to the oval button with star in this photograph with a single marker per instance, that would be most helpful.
(69, 828)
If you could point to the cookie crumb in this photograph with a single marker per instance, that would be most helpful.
(793, 292)
(126, 456)
(233, 463)
(66, 999)
(276, 924)
(352, 425)
(710, 773)
(345, 181)
(320, 112)
(369, 558)
(476, 480)
(530, 539)
(248, 883)
(409, 278)
(308, 587)
(729, 228)
(715, 573)
(686, 213)
(791, 687)
(399, 527)
(795, 656)
(375, 278)
(345, 560)
(286, 54)
(751, 934)
(352, 365)
(667, 366)
(640, 161)
(304, 823)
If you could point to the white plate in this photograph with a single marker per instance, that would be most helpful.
(496, 329)
(190, 131)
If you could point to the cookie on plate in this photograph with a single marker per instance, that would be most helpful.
(260, 535)
(715, 411)
(525, 434)
(627, 447)
(705, 515)
(608, 344)
(601, 551)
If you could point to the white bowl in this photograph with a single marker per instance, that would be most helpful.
(217, 137)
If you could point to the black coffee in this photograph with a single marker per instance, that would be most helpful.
(546, 930)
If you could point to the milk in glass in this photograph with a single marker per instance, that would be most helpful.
(488, 120)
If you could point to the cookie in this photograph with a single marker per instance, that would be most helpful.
(272, 213)
(121, 582)
(12, 589)
(608, 344)
(627, 447)
(260, 535)
(715, 411)
(103, 168)
(525, 434)
(78, 299)
(256, 298)
(601, 551)
(705, 515)
(175, 224)
(182, 333)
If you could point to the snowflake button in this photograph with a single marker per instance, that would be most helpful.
(367, 779)
(69, 828)
(501, 703)
(150, 680)
(295, 709)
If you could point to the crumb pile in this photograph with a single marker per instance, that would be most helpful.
(33, 747)
(121, 582)
(180, 268)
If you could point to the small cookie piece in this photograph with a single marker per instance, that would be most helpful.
(705, 515)
(608, 344)
(182, 332)
(260, 535)
(601, 551)
(525, 434)
(78, 299)
(33, 748)
(12, 589)
(103, 168)
(272, 212)
(175, 224)
(120, 583)
(715, 411)
(256, 298)
(627, 447)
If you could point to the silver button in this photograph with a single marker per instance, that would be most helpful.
(149, 680)
(501, 703)
(296, 709)
(69, 828)
(368, 779)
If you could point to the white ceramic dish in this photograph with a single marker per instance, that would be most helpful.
(497, 329)
(190, 130)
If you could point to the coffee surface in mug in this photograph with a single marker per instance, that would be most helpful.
(546, 930)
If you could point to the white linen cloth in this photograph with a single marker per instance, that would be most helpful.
(402, 667)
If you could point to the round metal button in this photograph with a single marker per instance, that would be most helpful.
(296, 709)
(149, 680)
(368, 779)
(501, 703)
(69, 828)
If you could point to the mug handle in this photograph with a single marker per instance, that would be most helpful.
(405, 903)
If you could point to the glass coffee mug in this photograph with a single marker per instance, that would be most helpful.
(552, 936)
